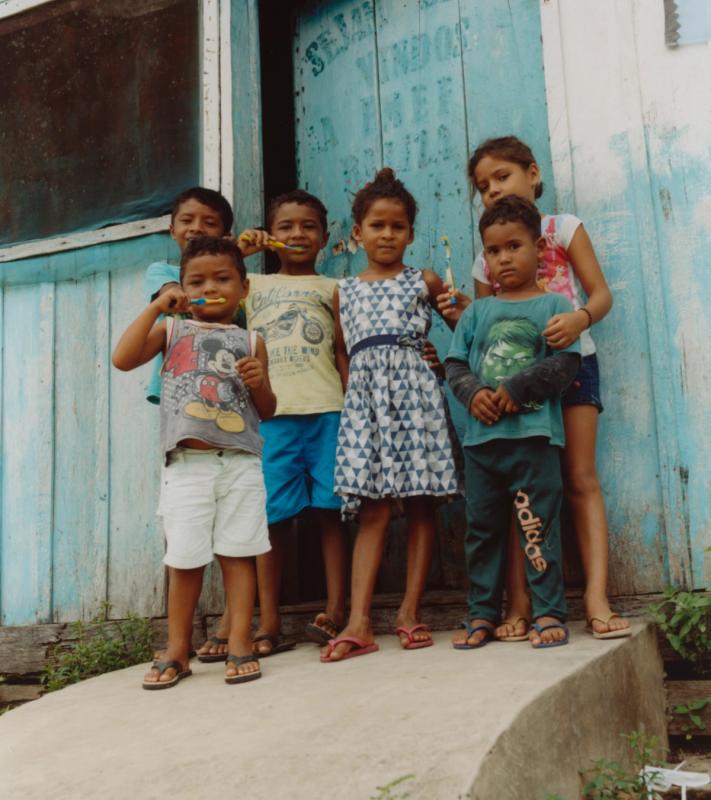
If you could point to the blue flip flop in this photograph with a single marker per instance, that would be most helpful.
(472, 629)
(556, 643)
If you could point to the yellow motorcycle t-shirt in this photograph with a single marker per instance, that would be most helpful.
(294, 315)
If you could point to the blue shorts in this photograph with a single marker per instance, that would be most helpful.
(585, 388)
(299, 460)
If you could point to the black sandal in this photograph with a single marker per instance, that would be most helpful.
(211, 658)
(162, 666)
(247, 676)
(277, 642)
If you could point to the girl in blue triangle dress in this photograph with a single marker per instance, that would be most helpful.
(393, 440)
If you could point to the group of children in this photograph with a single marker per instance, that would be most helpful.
(328, 400)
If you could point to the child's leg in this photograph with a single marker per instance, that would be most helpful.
(488, 515)
(320, 437)
(588, 508)
(538, 493)
(420, 513)
(367, 554)
(269, 570)
(240, 579)
(213, 648)
(183, 592)
(333, 547)
(518, 603)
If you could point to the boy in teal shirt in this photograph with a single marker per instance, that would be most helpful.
(510, 380)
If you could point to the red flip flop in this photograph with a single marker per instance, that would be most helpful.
(412, 644)
(361, 648)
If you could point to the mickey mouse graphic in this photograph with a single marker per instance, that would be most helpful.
(219, 386)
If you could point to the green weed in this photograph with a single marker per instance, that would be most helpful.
(102, 645)
(689, 718)
(386, 792)
(685, 620)
(609, 780)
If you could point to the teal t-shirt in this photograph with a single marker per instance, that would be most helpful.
(500, 338)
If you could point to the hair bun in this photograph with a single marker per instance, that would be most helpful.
(385, 175)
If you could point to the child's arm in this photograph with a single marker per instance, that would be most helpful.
(439, 298)
(254, 240)
(144, 339)
(474, 395)
(563, 329)
(254, 371)
(339, 345)
(540, 382)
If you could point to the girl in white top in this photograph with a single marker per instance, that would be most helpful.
(506, 166)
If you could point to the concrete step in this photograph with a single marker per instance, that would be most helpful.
(503, 722)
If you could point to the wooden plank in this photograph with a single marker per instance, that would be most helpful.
(28, 415)
(504, 79)
(682, 693)
(80, 551)
(677, 140)
(599, 165)
(73, 241)
(338, 140)
(135, 574)
(24, 648)
(246, 111)
(76, 264)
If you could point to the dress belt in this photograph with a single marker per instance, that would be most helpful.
(385, 339)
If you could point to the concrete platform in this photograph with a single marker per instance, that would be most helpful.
(504, 722)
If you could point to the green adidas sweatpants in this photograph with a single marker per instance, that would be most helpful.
(520, 476)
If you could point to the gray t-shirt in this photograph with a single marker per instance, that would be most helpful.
(203, 396)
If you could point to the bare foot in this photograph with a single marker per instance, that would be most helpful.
(406, 620)
(476, 639)
(514, 629)
(328, 624)
(360, 630)
(553, 634)
(215, 646)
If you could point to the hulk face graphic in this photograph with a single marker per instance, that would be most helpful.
(510, 346)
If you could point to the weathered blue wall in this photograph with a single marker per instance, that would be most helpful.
(79, 444)
(415, 85)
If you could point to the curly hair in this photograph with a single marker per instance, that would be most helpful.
(512, 209)
(212, 246)
(385, 186)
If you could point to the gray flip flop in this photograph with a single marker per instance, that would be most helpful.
(211, 658)
(277, 642)
(247, 676)
(162, 666)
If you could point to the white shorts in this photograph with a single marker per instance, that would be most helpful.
(212, 502)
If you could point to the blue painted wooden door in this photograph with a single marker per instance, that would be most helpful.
(416, 85)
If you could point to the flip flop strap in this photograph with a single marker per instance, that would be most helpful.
(482, 626)
(162, 666)
(347, 640)
(541, 628)
(267, 637)
(217, 640)
(239, 660)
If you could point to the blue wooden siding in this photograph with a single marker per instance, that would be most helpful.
(415, 85)
(79, 444)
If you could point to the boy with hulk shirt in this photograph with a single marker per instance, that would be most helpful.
(503, 371)
(292, 309)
